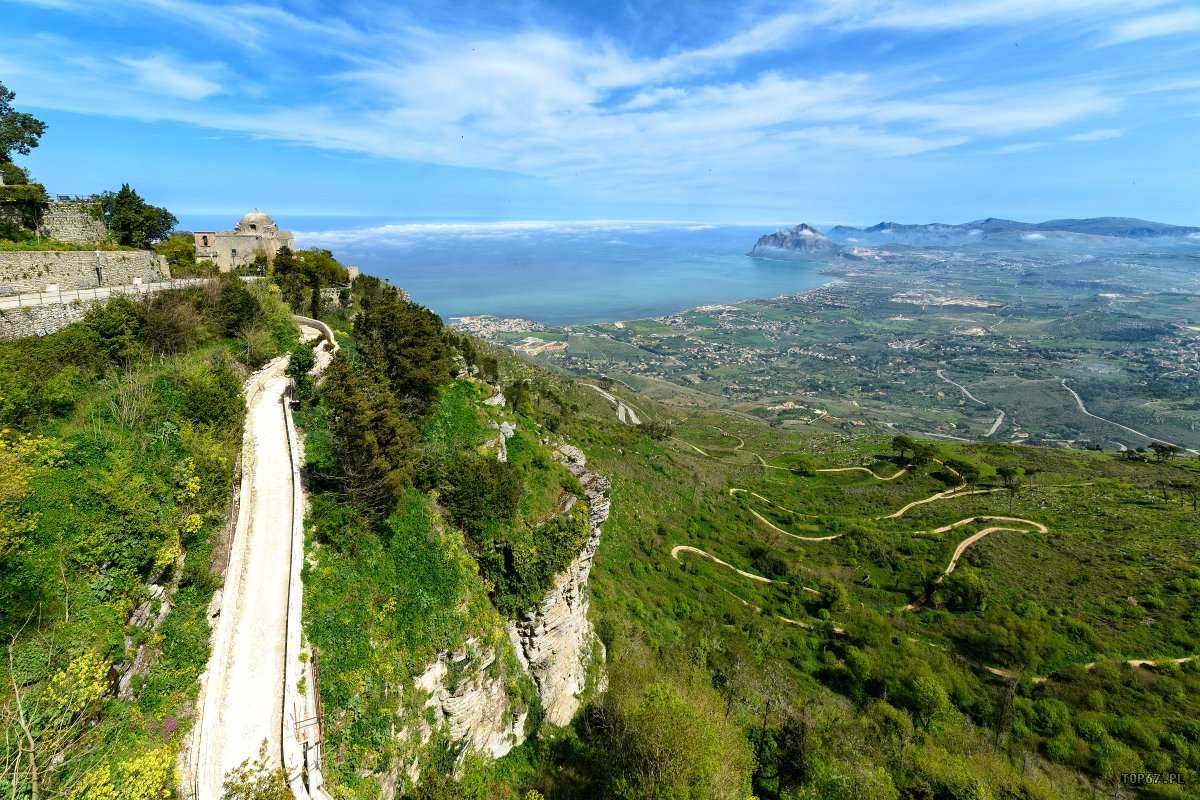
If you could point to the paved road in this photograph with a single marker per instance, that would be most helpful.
(1083, 409)
(623, 411)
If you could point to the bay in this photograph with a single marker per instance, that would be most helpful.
(558, 273)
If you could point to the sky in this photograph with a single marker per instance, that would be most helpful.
(824, 111)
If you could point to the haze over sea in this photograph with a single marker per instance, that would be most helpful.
(559, 273)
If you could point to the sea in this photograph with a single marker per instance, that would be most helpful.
(557, 273)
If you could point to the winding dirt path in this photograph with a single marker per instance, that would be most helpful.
(687, 548)
(869, 471)
(973, 538)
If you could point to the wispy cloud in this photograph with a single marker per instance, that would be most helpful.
(1098, 135)
(1171, 23)
(754, 101)
(163, 74)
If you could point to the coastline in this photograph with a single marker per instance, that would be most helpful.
(467, 322)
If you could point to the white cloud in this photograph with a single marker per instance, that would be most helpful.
(1098, 135)
(162, 74)
(1171, 23)
(558, 106)
(951, 14)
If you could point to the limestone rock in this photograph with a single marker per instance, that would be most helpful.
(554, 642)
(800, 241)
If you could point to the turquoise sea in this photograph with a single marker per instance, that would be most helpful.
(556, 272)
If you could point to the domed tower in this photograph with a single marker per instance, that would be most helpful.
(256, 233)
(257, 223)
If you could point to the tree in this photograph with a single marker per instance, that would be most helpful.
(964, 590)
(257, 780)
(408, 344)
(930, 699)
(132, 221)
(14, 175)
(1164, 452)
(1011, 478)
(658, 429)
(19, 133)
(299, 366)
(965, 469)
(902, 444)
(371, 441)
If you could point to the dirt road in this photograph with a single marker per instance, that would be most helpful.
(241, 700)
(624, 412)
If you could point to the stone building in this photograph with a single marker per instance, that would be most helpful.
(256, 233)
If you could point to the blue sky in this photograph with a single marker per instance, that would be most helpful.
(823, 111)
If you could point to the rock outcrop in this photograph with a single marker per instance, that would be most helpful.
(802, 241)
(467, 693)
(474, 704)
(555, 641)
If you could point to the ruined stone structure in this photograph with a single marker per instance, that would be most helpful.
(256, 233)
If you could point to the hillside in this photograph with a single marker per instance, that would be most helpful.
(523, 584)
(813, 639)
(119, 442)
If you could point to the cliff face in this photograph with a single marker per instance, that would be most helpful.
(554, 641)
(802, 240)
(470, 692)
(471, 701)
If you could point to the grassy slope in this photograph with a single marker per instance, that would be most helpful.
(1109, 539)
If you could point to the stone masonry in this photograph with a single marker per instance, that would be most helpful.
(18, 323)
(73, 223)
(22, 272)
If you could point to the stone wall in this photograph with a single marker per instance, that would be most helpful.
(22, 272)
(18, 323)
(74, 223)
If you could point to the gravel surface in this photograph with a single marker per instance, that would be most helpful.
(241, 703)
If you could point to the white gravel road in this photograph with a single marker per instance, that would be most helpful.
(241, 702)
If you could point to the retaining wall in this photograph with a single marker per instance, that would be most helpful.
(41, 320)
(34, 271)
(74, 223)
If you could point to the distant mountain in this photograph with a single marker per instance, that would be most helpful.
(1056, 230)
(802, 241)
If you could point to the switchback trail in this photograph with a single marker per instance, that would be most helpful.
(625, 413)
(975, 537)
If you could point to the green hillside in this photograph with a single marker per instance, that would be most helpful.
(119, 439)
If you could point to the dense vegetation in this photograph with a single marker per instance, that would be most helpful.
(118, 440)
(871, 701)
